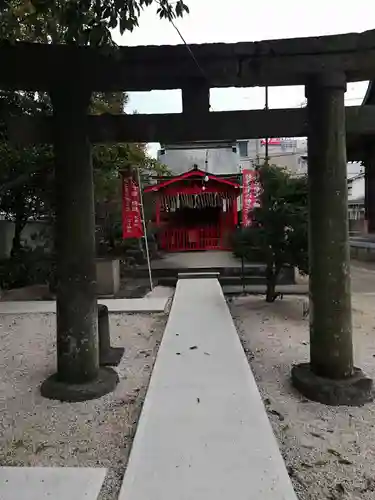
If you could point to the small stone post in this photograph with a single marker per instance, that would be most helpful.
(78, 375)
(108, 355)
(330, 377)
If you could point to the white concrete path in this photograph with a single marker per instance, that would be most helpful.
(53, 483)
(203, 433)
(165, 292)
(144, 305)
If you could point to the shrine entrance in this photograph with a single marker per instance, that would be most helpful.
(323, 65)
(195, 211)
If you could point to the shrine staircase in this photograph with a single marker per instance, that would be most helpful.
(234, 277)
(231, 279)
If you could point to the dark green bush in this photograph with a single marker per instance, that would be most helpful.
(277, 236)
(27, 267)
(244, 245)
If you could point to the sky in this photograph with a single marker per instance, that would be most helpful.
(232, 21)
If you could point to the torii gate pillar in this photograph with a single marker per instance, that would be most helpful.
(79, 376)
(330, 377)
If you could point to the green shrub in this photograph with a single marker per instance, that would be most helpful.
(277, 236)
(244, 245)
(27, 267)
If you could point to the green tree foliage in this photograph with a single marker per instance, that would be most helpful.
(109, 161)
(27, 187)
(26, 174)
(83, 22)
(278, 235)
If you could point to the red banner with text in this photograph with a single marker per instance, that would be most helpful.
(250, 195)
(273, 141)
(131, 209)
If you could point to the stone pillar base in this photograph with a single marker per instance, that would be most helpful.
(108, 355)
(354, 391)
(53, 388)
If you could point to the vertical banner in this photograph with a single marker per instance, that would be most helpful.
(250, 195)
(131, 209)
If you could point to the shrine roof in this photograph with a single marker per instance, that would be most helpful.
(193, 174)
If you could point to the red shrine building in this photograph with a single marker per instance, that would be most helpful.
(196, 210)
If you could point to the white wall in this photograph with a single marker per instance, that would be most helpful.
(288, 154)
(356, 188)
(33, 235)
(354, 168)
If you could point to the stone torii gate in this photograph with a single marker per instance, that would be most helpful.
(323, 65)
(362, 148)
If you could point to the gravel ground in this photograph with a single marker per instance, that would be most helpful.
(329, 452)
(39, 432)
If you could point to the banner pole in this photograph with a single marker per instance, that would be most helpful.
(145, 229)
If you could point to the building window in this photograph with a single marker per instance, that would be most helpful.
(243, 149)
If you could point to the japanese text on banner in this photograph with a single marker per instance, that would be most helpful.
(131, 210)
(250, 195)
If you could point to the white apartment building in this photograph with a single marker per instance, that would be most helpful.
(289, 152)
(218, 157)
(231, 157)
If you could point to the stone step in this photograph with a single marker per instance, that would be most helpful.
(143, 305)
(203, 433)
(362, 249)
(198, 275)
(235, 290)
(226, 281)
(55, 483)
(250, 270)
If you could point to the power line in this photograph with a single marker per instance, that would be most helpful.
(266, 107)
(353, 98)
(170, 19)
(250, 158)
(188, 48)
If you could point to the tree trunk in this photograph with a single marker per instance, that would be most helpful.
(16, 242)
(271, 280)
(110, 231)
(19, 223)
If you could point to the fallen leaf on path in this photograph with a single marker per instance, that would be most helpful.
(334, 452)
(320, 463)
(345, 461)
(306, 465)
(316, 435)
(340, 488)
(278, 414)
